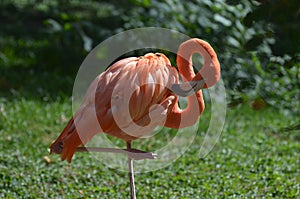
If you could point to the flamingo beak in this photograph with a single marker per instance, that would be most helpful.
(187, 88)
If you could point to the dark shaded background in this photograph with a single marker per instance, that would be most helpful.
(42, 44)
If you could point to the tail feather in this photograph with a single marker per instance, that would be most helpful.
(67, 142)
(70, 145)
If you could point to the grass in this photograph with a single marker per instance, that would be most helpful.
(252, 159)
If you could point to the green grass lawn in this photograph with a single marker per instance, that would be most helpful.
(254, 158)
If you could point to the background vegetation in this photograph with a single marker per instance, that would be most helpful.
(42, 44)
(258, 44)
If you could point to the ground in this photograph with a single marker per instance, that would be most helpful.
(254, 158)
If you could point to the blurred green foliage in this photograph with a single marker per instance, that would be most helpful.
(276, 44)
(257, 44)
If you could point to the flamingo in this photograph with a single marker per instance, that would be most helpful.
(153, 101)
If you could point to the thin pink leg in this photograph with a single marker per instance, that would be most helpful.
(131, 174)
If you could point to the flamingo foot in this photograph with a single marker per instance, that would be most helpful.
(137, 154)
(134, 154)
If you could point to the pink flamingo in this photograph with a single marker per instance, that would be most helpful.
(154, 100)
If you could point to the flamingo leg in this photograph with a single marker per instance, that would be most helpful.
(131, 172)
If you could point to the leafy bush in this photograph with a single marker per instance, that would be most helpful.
(53, 35)
(257, 47)
(277, 47)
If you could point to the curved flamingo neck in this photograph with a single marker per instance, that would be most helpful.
(210, 72)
